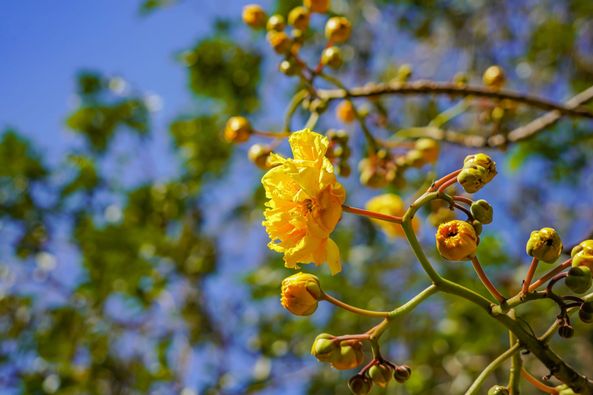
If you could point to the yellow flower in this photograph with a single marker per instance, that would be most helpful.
(305, 203)
(456, 240)
(300, 293)
(390, 204)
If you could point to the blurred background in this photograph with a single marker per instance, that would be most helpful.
(132, 256)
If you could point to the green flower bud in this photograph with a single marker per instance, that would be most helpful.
(477, 226)
(275, 23)
(324, 347)
(472, 179)
(484, 161)
(544, 244)
(579, 279)
(586, 317)
(349, 356)
(587, 307)
(564, 389)
(404, 72)
(360, 385)
(402, 373)
(498, 390)
(482, 211)
(381, 374)
(582, 254)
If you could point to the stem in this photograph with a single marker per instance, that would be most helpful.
(566, 264)
(450, 113)
(452, 89)
(529, 276)
(412, 303)
(486, 281)
(447, 184)
(474, 388)
(463, 199)
(372, 214)
(312, 121)
(292, 106)
(436, 185)
(276, 135)
(355, 310)
(538, 384)
(516, 364)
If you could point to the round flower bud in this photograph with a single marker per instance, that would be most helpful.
(566, 331)
(275, 23)
(299, 18)
(564, 389)
(456, 240)
(579, 279)
(300, 293)
(414, 158)
(429, 149)
(404, 73)
(288, 67)
(472, 180)
(254, 16)
(338, 29)
(324, 347)
(360, 384)
(484, 161)
(477, 226)
(350, 355)
(319, 6)
(586, 312)
(279, 41)
(258, 154)
(461, 78)
(545, 245)
(332, 57)
(482, 211)
(498, 390)
(402, 373)
(582, 254)
(345, 112)
(381, 374)
(494, 77)
(237, 130)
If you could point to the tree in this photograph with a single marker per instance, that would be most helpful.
(152, 289)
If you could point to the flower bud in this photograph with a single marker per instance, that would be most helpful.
(498, 390)
(381, 374)
(275, 23)
(288, 67)
(545, 245)
(324, 347)
(350, 355)
(564, 389)
(586, 312)
(237, 130)
(254, 16)
(429, 149)
(579, 279)
(482, 211)
(360, 384)
(404, 73)
(477, 226)
(300, 293)
(461, 78)
(494, 77)
(484, 161)
(414, 158)
(390, 204)
(456, 240)
(582, 254)
(338, 29)
(332, 57)
(319, 6)
(566, 331)
(258, 155)
(345, 112)
(299, 18)
(402, 373)
(279, 41)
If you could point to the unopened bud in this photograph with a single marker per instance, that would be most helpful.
(456, 240)
(381, 374)
(275, 23)
(579, 279)
(544, 244)
(360, 384)
(482, 211)
(319, 6)
(402, 373)
(324, 347)
(279, 41)
(258, 154)
(566, 331)
(300, 293)
(237, 130)
(299, 18)
(582, 254)
(338, 29)
(349, 356)
(498, 390)
(332, 57)
(254, 16)
(494, 77)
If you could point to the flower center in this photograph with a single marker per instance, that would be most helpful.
(309, 206)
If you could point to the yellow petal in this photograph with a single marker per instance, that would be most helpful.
(333, 257)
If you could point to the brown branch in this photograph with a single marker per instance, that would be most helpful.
(453, 89)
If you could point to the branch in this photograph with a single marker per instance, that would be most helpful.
(453, 89)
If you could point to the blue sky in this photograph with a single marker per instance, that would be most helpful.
(45, 43)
